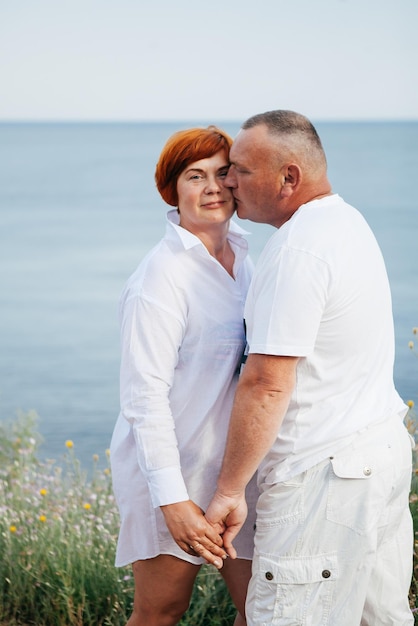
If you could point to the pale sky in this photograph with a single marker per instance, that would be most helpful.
(213, 60)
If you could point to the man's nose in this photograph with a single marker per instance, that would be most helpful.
(230, 178)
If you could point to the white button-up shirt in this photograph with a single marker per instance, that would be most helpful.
(182, 339)
(182, 336)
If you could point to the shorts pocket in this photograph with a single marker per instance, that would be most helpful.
(359, 488)
(292, 591)
(281, 503)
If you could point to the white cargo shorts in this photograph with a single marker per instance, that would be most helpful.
(334, 545)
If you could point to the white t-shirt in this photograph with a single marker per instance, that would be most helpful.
(182, 340)
(320, 292)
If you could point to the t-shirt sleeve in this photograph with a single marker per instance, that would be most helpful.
(286, 302)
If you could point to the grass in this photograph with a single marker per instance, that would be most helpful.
(58, 531)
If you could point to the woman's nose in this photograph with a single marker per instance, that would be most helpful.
(212, 185)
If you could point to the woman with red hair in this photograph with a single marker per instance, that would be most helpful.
(182, 338)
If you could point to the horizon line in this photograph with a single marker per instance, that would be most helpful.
(205, 120)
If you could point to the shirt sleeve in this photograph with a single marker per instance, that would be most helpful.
(150, 337)
(286, 303)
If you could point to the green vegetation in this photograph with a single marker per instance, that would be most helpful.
(58, 530)
(58, 533)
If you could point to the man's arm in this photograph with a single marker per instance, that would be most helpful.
(261, 402)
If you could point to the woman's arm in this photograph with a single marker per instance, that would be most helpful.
(151, 340)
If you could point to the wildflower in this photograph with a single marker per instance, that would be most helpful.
(69, 444)
(12, 529)
(42, 518)
(95, 457)
(43, 491)
(87, 506)
(411, 345)
(106, 471)
(415, 330)
(108, 453)
(411, 404)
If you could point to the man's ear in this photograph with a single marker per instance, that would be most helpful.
(291, 177)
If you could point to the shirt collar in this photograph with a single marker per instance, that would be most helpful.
(236, 233)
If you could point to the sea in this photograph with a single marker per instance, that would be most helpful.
(78, 212)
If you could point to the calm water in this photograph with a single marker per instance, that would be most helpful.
(78, 210)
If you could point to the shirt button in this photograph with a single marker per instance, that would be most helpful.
(367, 470)
(269, 576)
(326, 573)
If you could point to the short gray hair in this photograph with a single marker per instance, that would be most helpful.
(296, 131)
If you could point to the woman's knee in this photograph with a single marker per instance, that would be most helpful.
(163, 588)
(165, 614)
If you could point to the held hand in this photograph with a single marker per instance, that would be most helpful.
(229, 512)
(191, 531)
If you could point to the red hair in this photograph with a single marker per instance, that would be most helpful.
(183, 148)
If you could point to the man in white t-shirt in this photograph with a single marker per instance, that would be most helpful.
(316, 410)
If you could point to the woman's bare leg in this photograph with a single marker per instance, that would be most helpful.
(163, 588)
(237, 573)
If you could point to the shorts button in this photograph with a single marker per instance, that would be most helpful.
(367, 470)
(269, 576)
(326, 573)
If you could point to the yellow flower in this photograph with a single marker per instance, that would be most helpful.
(69, 443)
(43, 491)
(12, 528)
(108, 453)
(87, 506)
(106, 471)
(410, 403)
(415, 330)
(95, 457)
(42, 518)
